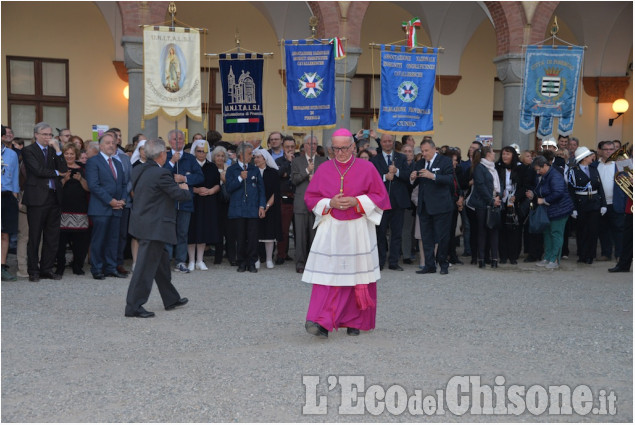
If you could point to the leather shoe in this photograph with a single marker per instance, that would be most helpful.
(299, 269)
(115, 274)
(619, 269)
(241, 268)
(444, 270)
(99, 276)
(316, 329)
(396, 267)
(589, 261)
(34, 278)
(179, 303)
(287, 258)
(279, 261)
(407, 261)
(53, 276)
(233, 263)
(252, 268)
(143, 313)
(122, 270)
(426, 270)
(352, 331)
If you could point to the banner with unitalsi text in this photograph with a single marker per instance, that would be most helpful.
(310, 71)
(172, 72)
(550, 88)
(241, 81)
(407, 89)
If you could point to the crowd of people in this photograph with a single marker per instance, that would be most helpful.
(248, 201)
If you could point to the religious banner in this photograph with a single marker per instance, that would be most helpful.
(172, 72)
(241, 81)
(407, 88)
(310, 85)
(550, 88)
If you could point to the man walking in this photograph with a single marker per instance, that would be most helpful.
(152, 223)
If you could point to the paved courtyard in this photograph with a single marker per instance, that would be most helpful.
(238, 352)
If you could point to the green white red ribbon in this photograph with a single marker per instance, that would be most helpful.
(337, 47)
(411, 31)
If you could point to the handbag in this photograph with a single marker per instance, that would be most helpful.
(493, 219)
(538, 219)
(511, 216)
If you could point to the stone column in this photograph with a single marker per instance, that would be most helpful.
(133, 59)
(508, 69)
(345, 69)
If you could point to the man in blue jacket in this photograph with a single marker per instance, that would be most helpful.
(185, 170)
(246, 205)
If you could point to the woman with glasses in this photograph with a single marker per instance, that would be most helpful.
(202, 230)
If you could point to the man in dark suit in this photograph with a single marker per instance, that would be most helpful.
(434, 175)
(287, 191)
(185, 169)
(395, 173)
(44, 165)
(125, 214)
(153, 224)
(107, 183)
(302, 170)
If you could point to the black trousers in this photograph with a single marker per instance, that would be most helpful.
(509, 241)
(79, 241)
(246, 230)
(153, 263)
(435, 228)
(474, 230)
(485, 236)
(626, 257)
(587, 230)
(393, 219)
(44, 225)
(454, 240)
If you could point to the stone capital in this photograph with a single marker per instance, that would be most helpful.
(509, 68)
(133, 52)
(347, 67)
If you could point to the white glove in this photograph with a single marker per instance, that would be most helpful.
(603, 210)
(574, 214)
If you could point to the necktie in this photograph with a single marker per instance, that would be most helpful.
(45, 151)
(46, 161)
(586, 171)
(428, 165)
(112, 168)
(388, 159)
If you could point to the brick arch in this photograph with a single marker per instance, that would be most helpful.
(331, 23)
(509, 22)
(541, 20)
(135, 13)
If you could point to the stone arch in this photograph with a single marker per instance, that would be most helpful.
(331, 22)
(541, 20)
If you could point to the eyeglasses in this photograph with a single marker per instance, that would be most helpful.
(46, 134)
(342, 149)
(199, 151)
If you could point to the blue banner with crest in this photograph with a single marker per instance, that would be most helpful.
(310, 85)
(407, 89)
(550, 88)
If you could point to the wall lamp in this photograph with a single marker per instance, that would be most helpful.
(619, 107)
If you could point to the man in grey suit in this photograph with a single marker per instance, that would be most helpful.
(153, 223)
(302, 170)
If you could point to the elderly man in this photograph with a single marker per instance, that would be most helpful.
(434, 176)
(155, 192)
(247, 203)
(395, 173)
(185, 170)
(303, 168)
(348, 198)
(107, 183)
(44, 165)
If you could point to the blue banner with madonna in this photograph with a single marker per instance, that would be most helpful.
(407, 89)
(310, 85)
(241, 81)
(550, 88)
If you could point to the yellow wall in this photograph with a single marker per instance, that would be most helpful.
(75, 31)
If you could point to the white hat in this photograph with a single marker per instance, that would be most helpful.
(581, 153)
(549, 142)
(516, 147)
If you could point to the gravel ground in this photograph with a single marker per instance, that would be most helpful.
(238, 351)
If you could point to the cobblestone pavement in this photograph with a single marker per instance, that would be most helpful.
(238, 351)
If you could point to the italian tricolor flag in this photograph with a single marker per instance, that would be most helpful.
(337, 47)
(241, 120)
(411, 32)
